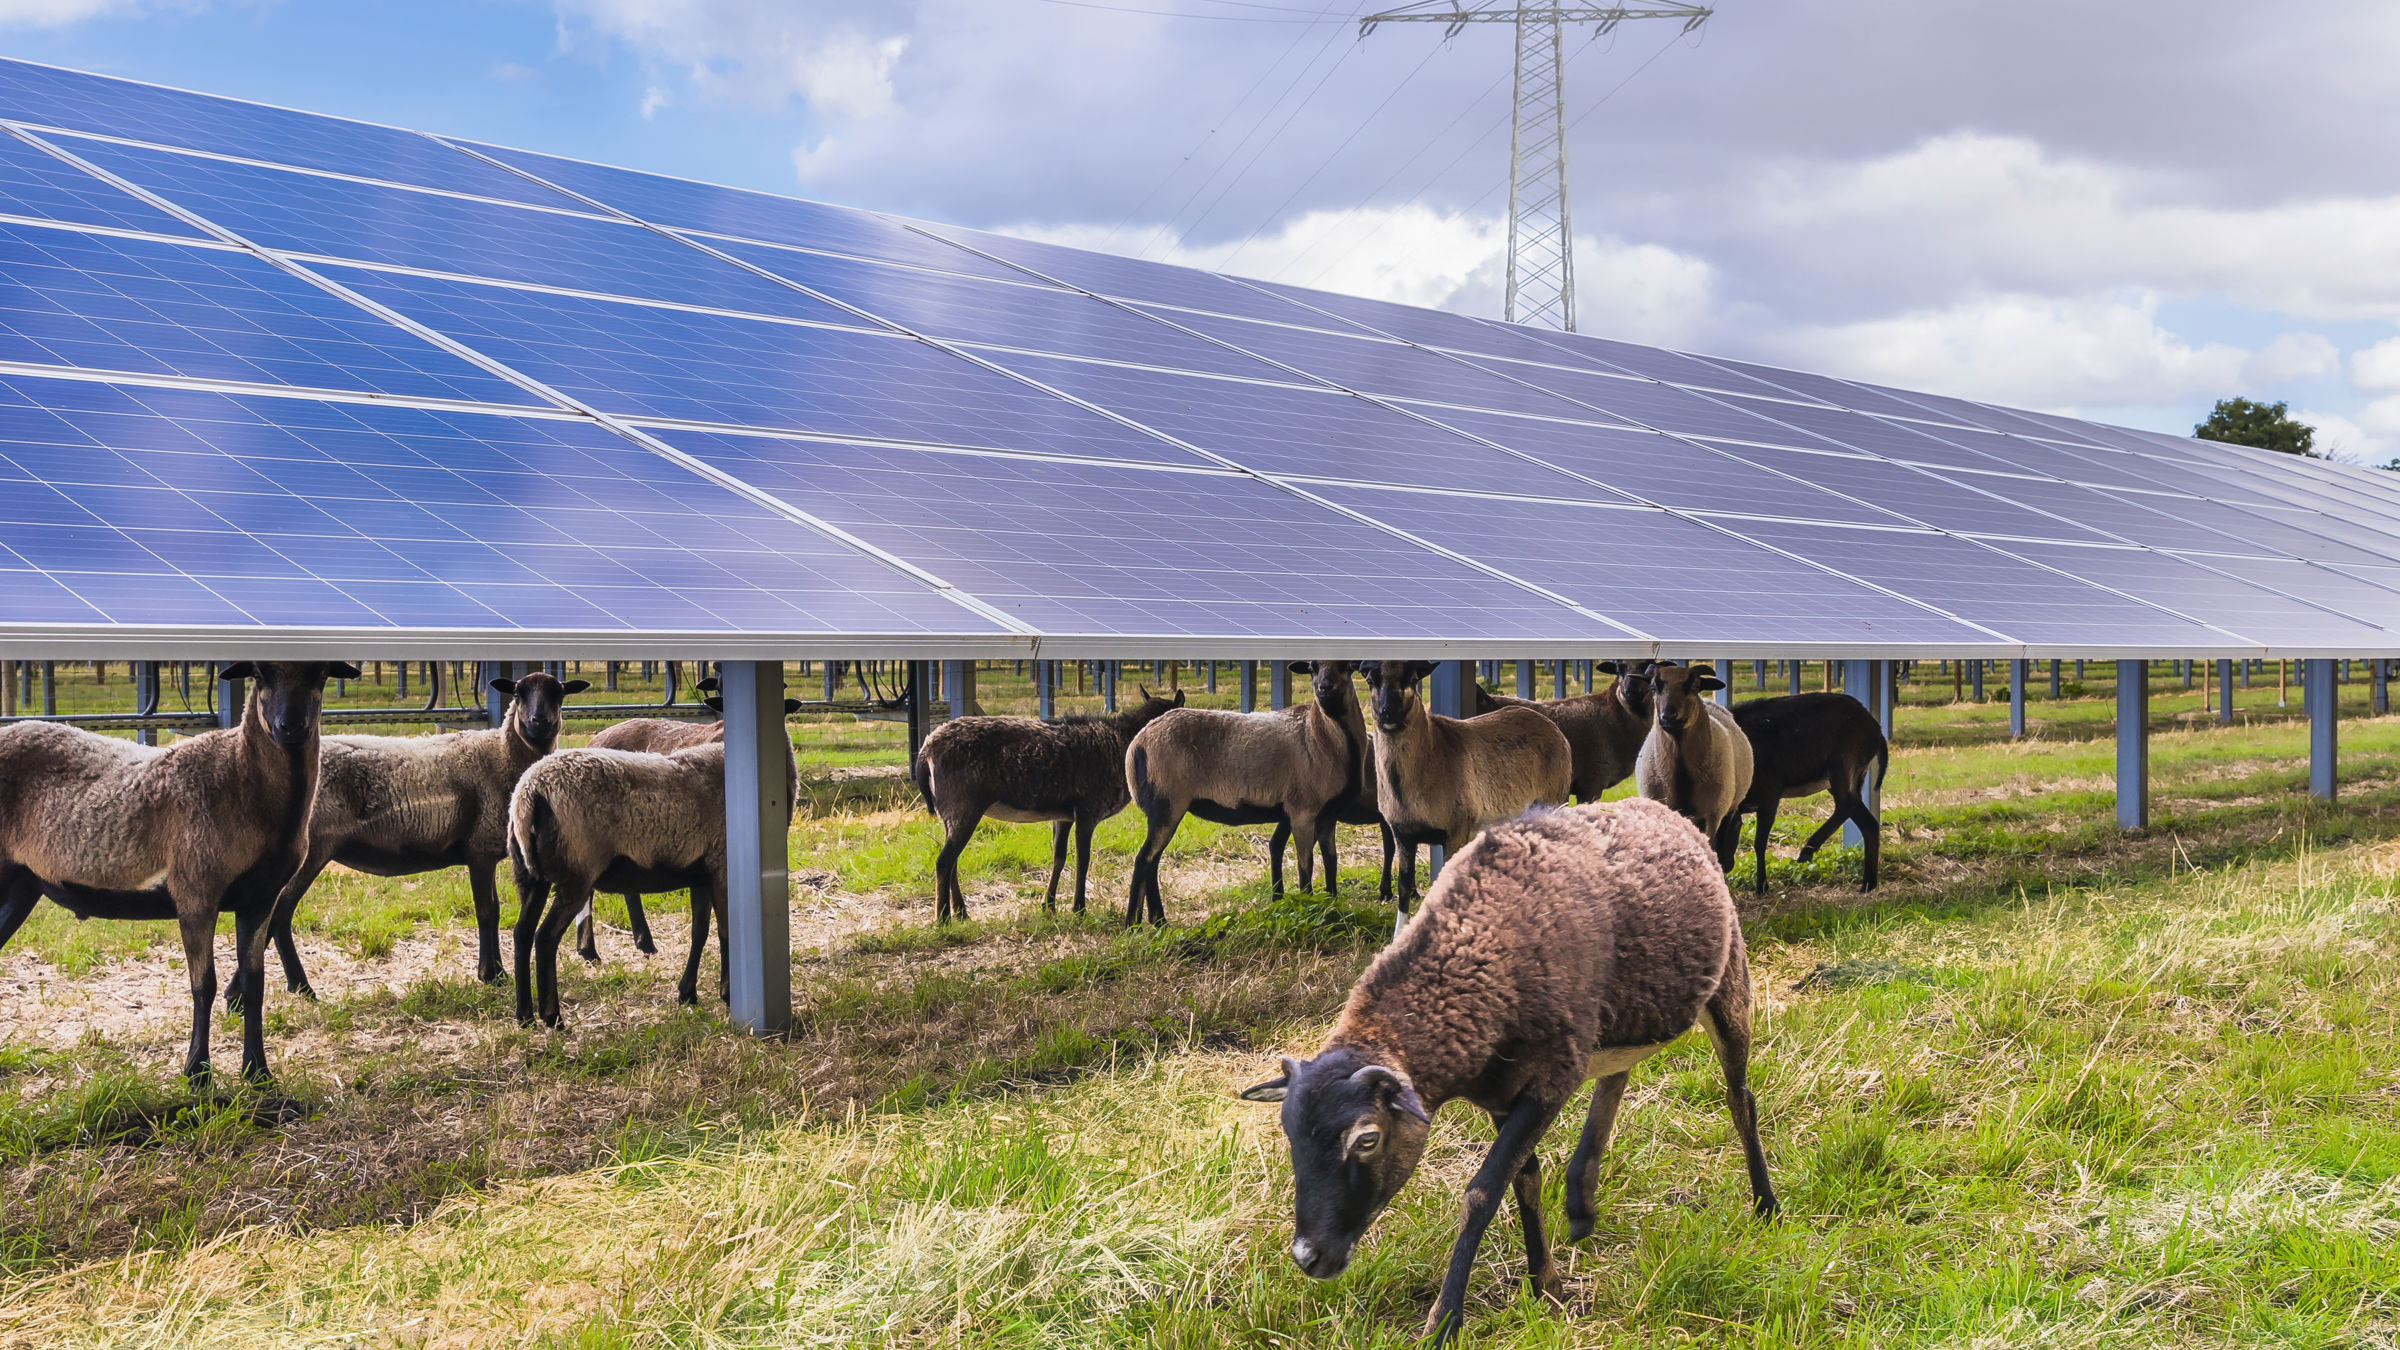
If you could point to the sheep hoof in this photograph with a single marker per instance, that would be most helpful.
(493, 976)
(645, 946)
(1579, 1228)
(590, 954)
(685, 998)
(302, 990)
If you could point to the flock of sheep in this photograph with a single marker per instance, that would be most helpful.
(1557, 945)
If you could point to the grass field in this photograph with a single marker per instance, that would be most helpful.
(2052, 1084)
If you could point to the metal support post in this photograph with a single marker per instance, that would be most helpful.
(1446, 696)
(2133, 745)
(230, 694)
(2054, 678)
(1976, 681)
(758, 823)
(2318, 676)
(1108, 686)
(1525, 684)
(145, 699)
(958, 681)
(1045, 689)
(1758, 675)
(1279, 685)
(920, 720)
(1249, 686)
(1558, 679)
(2225, 692)
(2016, 700)
(1212, 677)
(495, 703)
(1792, 669)
(1725, 679)
(2377, 669)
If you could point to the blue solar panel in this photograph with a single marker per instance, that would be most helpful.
(1982, 585)
(644, 361)
(1774, 382)
(1651, 404)
(2162, 521)
(681, 204)
(308, 213)
(2209, 595)
(74, 101)
(1428, 327)
(40, 185)
(1375, 366)
(1922, 496)
(1106, 550)
(1662, 469)
(1731, 591)
(2338, 591)
(139, 505)
(103, 302)
(1872, 435)
(1310, 433)
(1134, 279)
(1033, 317)
(1656, 364)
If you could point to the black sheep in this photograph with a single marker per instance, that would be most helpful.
(1804, 744)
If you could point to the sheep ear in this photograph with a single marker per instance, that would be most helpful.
(505, 686)
(1274, 1089)
(1368, 669)
(715, 705)
(575, 686)
(790, 706)
(239, 670)
(707, 686)
(1707, 682)
(1144, 690)
(342, 670)
(1608, 667)
(1304, 667)
(1397, 1091)
(1418, 670)
(1179, 698)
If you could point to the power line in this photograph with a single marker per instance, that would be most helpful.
(1181, 14)
(1267, 144)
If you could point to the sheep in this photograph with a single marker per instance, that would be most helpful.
(587, 820)
(1565, 945)
(655, 736)
(1357, 806)
(115, 830)
(1696, 758)
(1604, 730)
(1442, 779)
(393, 806)
(1286, 768)
(1809, 743)
(1069, 771)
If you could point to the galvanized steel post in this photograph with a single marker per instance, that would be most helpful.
(758, 822)
(2324, 715)
(2133, 745)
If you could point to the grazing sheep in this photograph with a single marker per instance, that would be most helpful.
(1442, 779)
(1284, 768)
(1069, 771)
(1562, 946)
(394, 806)
(652, 736)
(589, 820)
(1357, 806)
(1805, 744)
(1604, 730)
(114, 830)
(1696, 758)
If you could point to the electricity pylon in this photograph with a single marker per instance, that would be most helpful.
(1541, 235)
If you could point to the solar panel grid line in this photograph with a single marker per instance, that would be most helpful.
(2118, 592)
(145, 236)
(613, 297)
(651, 443)
(148, 379)
(2203, 560)
(983, 451)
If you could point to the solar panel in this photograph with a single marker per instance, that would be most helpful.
(2209, 595)
(2366, 601)
(179, 507)
(1029, 316)
(1376, 366)
(1091, 549)
(72, 101)
(648, 362)
(1919, 495)
(1134, 279)
(110, 303)
(1677, 581)
(369, 223)
(40, 186)
(1657, 406)
(1427, 327)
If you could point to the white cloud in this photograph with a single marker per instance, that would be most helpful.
(1643, 292)
(2371, 438)
(514, 72)
(59, 13)
(2377, 367)
(653, 99)
(2291, 356)
(756, 55)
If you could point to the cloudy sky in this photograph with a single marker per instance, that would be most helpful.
(2125, 209)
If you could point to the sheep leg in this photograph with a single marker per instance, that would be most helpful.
(1583, 1169)
(279, 927)
(531, 895)
(1729, 1030)
(1852, 806)
(1527, 1191)
(1283, 835)
(198, 928)
(1058, 862)
(1389, 844)
(251, 919)
(1824, 832)
(687, 990)
(1728, 839)
(1304, 839)
(716, 906)
(1758, 843)
(948, 900)
(1325, 842)
(1408, 872)
(483, 879)
(20, 891)
(586, 944)
(640, 924)
(1519, 1132)
(1164, 820)
(1083, 855)
(565, 904)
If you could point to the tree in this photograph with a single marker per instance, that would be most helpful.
(2269, 426)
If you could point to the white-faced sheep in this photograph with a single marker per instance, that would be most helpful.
(652, 736)
(1804, 744)
(1696, 758)
(1567, 945)
(110, 829)
(1604, 730)
(589, 820)
(1282, 768)
(394, 806)
(1441, 779)
(1069, 771)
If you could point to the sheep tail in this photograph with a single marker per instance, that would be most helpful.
(542, 841)
(1144, 796)
(1883, 763)
(920, 772)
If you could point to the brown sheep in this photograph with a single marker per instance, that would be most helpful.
(1442, 779)
(588, 820)
(1069, 771)
(1696, 758)
(1562, 946)
(394, 806)
(652, 736)
(1284, 768)
(218, 821)
(1604, 730)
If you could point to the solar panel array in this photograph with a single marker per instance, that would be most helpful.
(270, 375)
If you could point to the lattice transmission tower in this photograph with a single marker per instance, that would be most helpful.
(1541, 234)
